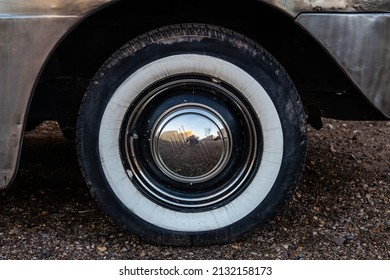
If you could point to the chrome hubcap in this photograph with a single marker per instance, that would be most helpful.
(191, 143)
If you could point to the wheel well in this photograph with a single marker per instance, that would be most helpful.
(78, 57)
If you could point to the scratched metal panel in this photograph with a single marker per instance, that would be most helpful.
(22, 54)
(294, 7)
(49, 7)
(29, 30)
(360, 43)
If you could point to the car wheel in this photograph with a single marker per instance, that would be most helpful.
(191, 135)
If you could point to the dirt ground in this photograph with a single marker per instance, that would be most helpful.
(340, 209)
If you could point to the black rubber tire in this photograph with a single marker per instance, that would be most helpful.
(202, 225)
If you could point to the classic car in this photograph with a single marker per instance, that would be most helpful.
(189, 116)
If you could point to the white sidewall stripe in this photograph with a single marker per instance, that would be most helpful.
(153, 213)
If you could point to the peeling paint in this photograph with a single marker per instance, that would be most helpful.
(299, 6)
(292, 7)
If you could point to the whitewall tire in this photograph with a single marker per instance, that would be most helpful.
(191, 135)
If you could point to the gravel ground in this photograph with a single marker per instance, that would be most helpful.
(340, 210)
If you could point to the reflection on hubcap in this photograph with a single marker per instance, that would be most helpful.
(191, 143)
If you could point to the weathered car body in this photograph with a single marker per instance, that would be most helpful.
(31, 30)
(353, 35)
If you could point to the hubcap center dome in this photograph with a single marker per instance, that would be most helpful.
(191, 143)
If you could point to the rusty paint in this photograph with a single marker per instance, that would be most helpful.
(300, 6)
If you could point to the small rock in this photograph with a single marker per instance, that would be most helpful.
(328, 125)
(339, 241)
(101, 248)
(292, 247)
(352, 156)
(349, 236)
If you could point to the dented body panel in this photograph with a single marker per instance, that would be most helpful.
(31, 30)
